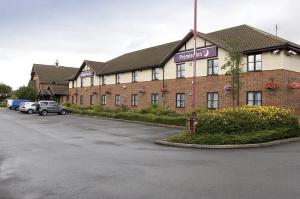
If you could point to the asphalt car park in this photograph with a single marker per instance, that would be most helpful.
(67, 157)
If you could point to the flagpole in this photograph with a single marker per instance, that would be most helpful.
(193, 117)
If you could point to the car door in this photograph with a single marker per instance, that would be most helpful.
(53, 107)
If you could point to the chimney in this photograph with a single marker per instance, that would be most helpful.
(57, 63)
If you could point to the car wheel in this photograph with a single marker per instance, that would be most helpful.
(17, 108)
(44, 112)
(63, 112)
(30, 111)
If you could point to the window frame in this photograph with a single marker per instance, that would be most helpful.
(254, 62)
(103, 80)
(103, 100)
(180, 71)
(118, 104)
(92, 81)
(155, 73)
(81, 82)
(254, 100)
(134, 76)
(154, 100)
(213, 67)
(181, 100)
(81, 100)
(134, 99)
(117, 78)
(92, 100)
(211, 102)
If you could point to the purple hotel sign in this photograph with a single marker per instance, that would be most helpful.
(87, 73)
(202, 53)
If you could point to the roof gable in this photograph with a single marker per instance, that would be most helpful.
(48, 74)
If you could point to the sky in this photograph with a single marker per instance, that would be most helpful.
(43, 31)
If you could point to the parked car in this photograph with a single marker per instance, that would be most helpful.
(16, 104)
(9, 103)
(45, 107)
(29, 107)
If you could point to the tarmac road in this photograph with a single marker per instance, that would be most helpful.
(73, 157)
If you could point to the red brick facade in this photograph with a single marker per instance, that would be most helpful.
(252, 81)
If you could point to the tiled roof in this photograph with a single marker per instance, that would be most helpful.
(250, 38)
(49, 73)
(140, 59)
(58, 89)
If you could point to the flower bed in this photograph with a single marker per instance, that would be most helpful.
(246, 119)
(150, 115)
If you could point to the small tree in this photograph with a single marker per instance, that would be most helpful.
(27, 93)
(234, 65)
(5, 91)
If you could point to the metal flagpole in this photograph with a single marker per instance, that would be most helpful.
(193, 118)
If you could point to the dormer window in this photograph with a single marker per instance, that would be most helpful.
(254, 62)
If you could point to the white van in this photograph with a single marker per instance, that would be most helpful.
(9, 103)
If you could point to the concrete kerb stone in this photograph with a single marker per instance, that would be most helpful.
(234, 146)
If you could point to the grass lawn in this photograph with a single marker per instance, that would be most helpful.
(243, 138)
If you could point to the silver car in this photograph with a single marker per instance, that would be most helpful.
(28, 107)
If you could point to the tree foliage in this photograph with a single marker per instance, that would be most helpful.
(27, 93)
(234, 65)
(5, 91)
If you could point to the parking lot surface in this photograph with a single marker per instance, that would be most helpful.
(73, 157)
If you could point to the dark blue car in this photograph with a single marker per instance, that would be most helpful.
(16, 104)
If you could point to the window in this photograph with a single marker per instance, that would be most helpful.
(81, 82)
(213, 67)
(117, 100)
(92, 99)
(134, 100)
(212, 100)
(103, 80)
(73, 84)
(154, 99)
(103, 99)
(81, 99)
(67, 98)
(118, 78)
(254, 98)
(92, 81)
(155, 73)
(180, 68)
(134, 76)
(254, 62)
(180, 100)
(73, 99)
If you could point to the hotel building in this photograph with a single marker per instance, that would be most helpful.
(163, 74)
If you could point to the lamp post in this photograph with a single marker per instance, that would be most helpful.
(192, 121)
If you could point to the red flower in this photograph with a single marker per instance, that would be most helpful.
(271, 85)
(294, 85)
(164, 90)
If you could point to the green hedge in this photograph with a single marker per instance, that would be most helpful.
(246, 138)
(245, 119)
(134, 116)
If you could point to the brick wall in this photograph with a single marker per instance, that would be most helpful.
(252, 81)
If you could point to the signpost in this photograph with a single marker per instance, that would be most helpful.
(193, 117)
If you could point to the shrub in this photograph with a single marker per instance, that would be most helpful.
(67, 104)
(158, 110)
(246, 138)
(134, 116)
(246, 119)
